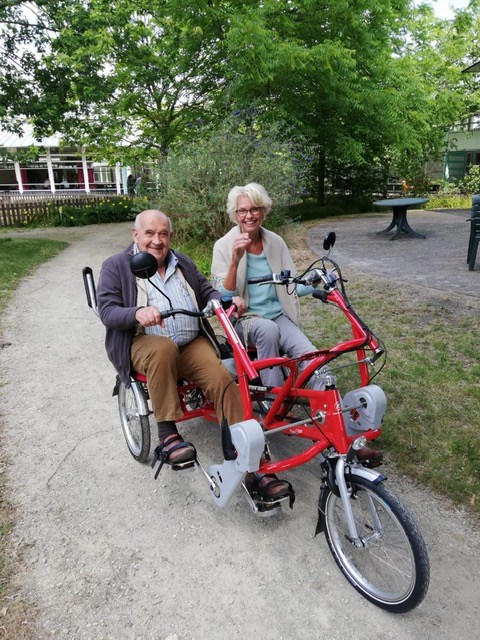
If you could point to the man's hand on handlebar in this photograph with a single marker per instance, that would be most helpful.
(149, 317)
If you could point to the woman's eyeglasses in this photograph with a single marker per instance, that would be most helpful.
(243, 213)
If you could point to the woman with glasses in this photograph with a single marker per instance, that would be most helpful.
(271, 322)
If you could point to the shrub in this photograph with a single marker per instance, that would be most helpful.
(114, 209)
(471, 182)
(335, 205)
(449, 202)
(195, 179)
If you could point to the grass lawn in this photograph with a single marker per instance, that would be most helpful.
(19, 257)
(431, 376)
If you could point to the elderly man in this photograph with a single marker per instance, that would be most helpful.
(137, 336)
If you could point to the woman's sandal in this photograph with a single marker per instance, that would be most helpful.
(268, 488)
(370, 457)
(173, 450)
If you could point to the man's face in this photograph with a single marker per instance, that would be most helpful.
(153, 235)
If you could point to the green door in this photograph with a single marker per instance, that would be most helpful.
(454, 165)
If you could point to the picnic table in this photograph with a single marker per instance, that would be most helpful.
(399, 220)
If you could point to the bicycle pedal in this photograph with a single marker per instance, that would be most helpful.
(267, 509)
(371, 464)
(187, 466)
(262, 507)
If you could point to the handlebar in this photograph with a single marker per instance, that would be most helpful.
(311, 277)
(270, 278)
(225, 302)
(185, 312)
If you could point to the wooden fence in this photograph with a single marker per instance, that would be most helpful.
(16, 208)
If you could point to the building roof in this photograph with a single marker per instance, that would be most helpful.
(13, 140)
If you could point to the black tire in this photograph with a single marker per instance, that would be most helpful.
(136, 427)
(392, 568)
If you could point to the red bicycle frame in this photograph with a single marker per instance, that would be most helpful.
(325, 425)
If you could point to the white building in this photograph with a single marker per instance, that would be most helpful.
(55, 169)
(463, 143)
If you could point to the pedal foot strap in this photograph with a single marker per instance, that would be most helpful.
(162, 456)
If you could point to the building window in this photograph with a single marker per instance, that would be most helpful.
(473, 157)
(8, 180)
(474, 122)
(104, 176)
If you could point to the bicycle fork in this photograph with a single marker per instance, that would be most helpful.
(336, 471)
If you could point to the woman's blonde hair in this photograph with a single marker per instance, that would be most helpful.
(257, 195)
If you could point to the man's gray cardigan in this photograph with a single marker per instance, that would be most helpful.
(117, 303)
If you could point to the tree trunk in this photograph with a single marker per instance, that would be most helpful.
(321, 178)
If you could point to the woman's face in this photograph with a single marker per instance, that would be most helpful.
(249, 216)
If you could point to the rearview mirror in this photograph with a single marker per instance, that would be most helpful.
(143, 265)
(329, 240)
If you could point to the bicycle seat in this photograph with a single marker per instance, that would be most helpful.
(138, 376)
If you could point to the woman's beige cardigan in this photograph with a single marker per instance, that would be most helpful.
(278, 256)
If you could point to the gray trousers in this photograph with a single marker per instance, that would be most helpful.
(269, 338)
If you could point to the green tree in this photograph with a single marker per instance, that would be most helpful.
(435, 93)
(325, 69)
(374, 84)
(24, 37)
(130, 74)
(140, 73)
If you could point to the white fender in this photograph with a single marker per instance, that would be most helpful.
(140, 399)
(367, 474)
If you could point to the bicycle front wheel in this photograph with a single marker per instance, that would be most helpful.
(391, 568)
(136, 427)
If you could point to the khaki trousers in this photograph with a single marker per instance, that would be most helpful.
(162, 361)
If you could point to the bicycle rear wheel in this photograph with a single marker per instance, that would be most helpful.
(136, 427)
(391, 569)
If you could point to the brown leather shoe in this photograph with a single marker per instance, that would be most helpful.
(366, 454)
(267, 486)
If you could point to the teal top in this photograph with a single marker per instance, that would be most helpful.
(263, 299)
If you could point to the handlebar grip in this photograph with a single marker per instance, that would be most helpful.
(320, 295)
(259, 279)
(173, 312)
(314, 277)
(226, 302)
(88, 283)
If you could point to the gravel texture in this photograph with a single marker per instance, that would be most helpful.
(108, 552)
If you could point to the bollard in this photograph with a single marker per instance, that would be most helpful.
(474, 232)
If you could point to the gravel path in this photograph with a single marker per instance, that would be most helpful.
(110, 553)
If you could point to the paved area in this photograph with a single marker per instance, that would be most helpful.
(438, 262)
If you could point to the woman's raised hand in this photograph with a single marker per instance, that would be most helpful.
(240, 245)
